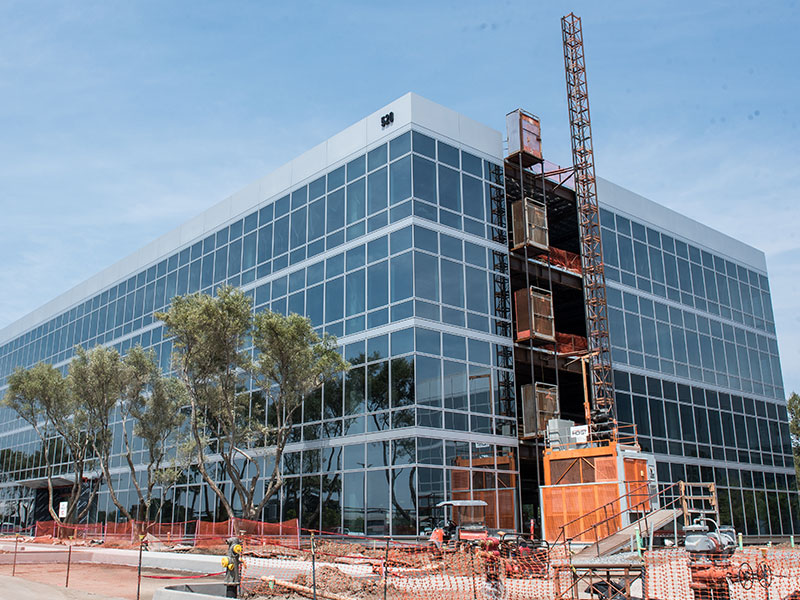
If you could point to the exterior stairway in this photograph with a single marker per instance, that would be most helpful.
(685, 501)
(646, 525)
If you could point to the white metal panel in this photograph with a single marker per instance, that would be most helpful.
(641, 209)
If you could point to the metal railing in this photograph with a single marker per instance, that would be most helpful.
(645, 501)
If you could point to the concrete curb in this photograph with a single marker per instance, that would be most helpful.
(191, 591)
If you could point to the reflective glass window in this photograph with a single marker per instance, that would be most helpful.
(473, 197)
(449, 188)
(378, 190)
(402, 286)
(429, 381)
(334, 299)
(426, 276)
(356, 201)
(400, 180)
(355, 292)
(452, 283)
(335, 212)
(424, 179)
(356, 168)
(376, 157)
(424, 144)
(316, 219)
(378, 285)
(477, 290)
(280, 242)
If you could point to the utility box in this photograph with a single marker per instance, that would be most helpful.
(524, 138)
(529, 224)
(539, 406)
(534, 313)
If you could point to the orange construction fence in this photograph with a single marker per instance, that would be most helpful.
(347, 567)
(746, 574)
(193, 533)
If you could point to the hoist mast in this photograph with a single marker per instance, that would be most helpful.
(601, 415)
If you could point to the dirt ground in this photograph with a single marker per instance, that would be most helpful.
(107, 581)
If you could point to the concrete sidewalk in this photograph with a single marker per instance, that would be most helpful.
(15, 588)
(172, 561)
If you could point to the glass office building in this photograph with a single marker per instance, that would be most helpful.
(387, 236)
(380, 237)
(696, 359)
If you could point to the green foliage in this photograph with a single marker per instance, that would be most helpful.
(96, 378)
(793, 407)
(48, 402)
(78, 409)
(36, 393)
(153, 401)
(102, 380)
(291, 361)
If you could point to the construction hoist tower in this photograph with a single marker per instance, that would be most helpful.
(601, 416)
(599, 487)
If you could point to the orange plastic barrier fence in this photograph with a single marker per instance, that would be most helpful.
(195, 532)
(747, 574)
(345, 567)
(80, 531)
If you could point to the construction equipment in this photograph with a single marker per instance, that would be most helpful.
(462, 521)
(594, 489)
(712, 570)
(534, 315)
(593, 271)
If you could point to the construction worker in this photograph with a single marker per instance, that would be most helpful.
(437, 537)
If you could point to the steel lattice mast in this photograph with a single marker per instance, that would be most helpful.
(594, 280)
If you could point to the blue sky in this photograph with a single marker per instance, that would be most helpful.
(120, 120)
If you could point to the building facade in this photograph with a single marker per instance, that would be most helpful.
(696, 359)
(391, 235)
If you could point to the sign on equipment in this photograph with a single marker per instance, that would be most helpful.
(580, 433)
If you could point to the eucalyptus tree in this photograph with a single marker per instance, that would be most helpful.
(292, 361)
(43, 398)
(147, 405)
(212, 336)
(155, 404)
